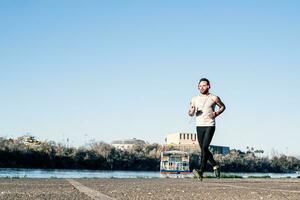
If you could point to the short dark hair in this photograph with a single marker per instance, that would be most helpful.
(204, 79)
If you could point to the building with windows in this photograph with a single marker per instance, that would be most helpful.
(188, 142)
(219, 149)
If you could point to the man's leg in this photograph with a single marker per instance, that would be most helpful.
(208, 135)
(210, 156)
(200, 135)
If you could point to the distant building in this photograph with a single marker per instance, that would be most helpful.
(28, 140)
(219, 149)
(182, 141)
(127, 144)
(189, 142)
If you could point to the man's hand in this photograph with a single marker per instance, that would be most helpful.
(213, 115)
(191, 111)
(221, 106)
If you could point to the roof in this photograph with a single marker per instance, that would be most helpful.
(129, 141)
(174, 152)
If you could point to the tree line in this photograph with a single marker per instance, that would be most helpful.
(27, 152)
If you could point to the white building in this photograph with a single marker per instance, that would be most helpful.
(127, 144)
(189, 142)
(182, 138)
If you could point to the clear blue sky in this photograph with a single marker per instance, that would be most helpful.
(108, 70)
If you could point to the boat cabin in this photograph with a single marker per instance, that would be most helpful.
(174, 162)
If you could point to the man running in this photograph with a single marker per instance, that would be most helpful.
(203, 106)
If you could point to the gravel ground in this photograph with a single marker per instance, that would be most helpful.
(155, 188)
(186, 189)
(36, 189)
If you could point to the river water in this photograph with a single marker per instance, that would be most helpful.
(66, 173)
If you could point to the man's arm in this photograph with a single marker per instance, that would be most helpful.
(221, 105)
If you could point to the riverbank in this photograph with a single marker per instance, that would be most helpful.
(153, 188)
(68, 173)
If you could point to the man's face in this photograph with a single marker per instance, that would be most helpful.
(203, 87)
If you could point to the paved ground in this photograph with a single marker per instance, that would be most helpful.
(185, 189)
(36, 189)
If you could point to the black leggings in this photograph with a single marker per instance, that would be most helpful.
(205, 135)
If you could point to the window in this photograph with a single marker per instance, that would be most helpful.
(187, 136)
(180, 136)
(184, 136)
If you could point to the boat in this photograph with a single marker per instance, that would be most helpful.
(174, 162)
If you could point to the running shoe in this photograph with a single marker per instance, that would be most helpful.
(198, 174)
(217, 171)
